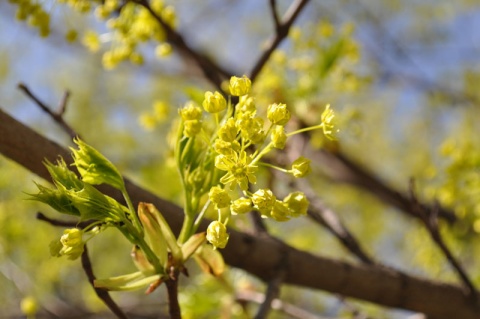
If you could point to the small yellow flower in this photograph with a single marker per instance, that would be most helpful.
(278, 114)
(297, 202)
(217, 234)
(239, 86)
(279, 138)
(214, 102)
(251, 128)
(72, 244)
(190, 112)
(264, 200)
(238, 169)
(327, 125)
(241, 206)
(163, 50)
(192, 128)
(161, 110)
(280, 211)
(226, 148)
(228, 131)
(246, 105)
(300, 167)
(91, 41)
(219, 197)
(71, 35)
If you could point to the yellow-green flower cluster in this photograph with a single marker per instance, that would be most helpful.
(236, 145)
(70, 244)
(34, 14)
(129, 25)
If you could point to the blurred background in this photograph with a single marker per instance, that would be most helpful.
(402, 76)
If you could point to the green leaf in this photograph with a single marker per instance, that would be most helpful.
(58, 199)
(192, 244)
(95, 168)
(132, 281)
(210, 260)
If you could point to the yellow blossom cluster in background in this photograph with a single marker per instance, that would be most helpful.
(129, 25)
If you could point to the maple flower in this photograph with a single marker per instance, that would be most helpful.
(70, 244)
(278, 114)
(241, 206)
(217, 234)
(219, 197)
(300, 167)
(327, 125)
(238, 169)
(214, 102)
(297, 202)
(264, 200)
(280, 211)
(279, 138)
(239, 86)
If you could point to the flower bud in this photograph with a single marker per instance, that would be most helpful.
(219, 197)
(241, 206)
(246, 105)
(278, 114)
(95, 168)
(228, 131)
(226, 148)
(192, 128)
(300, 167)
(239, 86)
(278, 136)
(297, 202)
(214, 102)
(190, 112)
(72, 243)
(217, 234)
(264, 200)
(280, 212)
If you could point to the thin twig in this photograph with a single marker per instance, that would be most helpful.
(56, 116)
(273, 290)
(62, 223)
(429, 218)
(213, 72)
(273, 10)
(330, 220)
(102, 294)
(281, 33)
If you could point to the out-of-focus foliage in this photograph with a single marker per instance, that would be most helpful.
(403, 76)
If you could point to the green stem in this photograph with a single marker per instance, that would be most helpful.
(274, 167)
(187, 228)
(133, 213)
(306, 129)
(200, 217)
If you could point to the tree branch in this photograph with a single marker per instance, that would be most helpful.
(340, 168)
(280, 34)
(102, 294)
(56, 116)
(261, 256)
(430, 220)
(214, 73)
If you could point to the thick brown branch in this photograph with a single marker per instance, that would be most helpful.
(261, 256)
